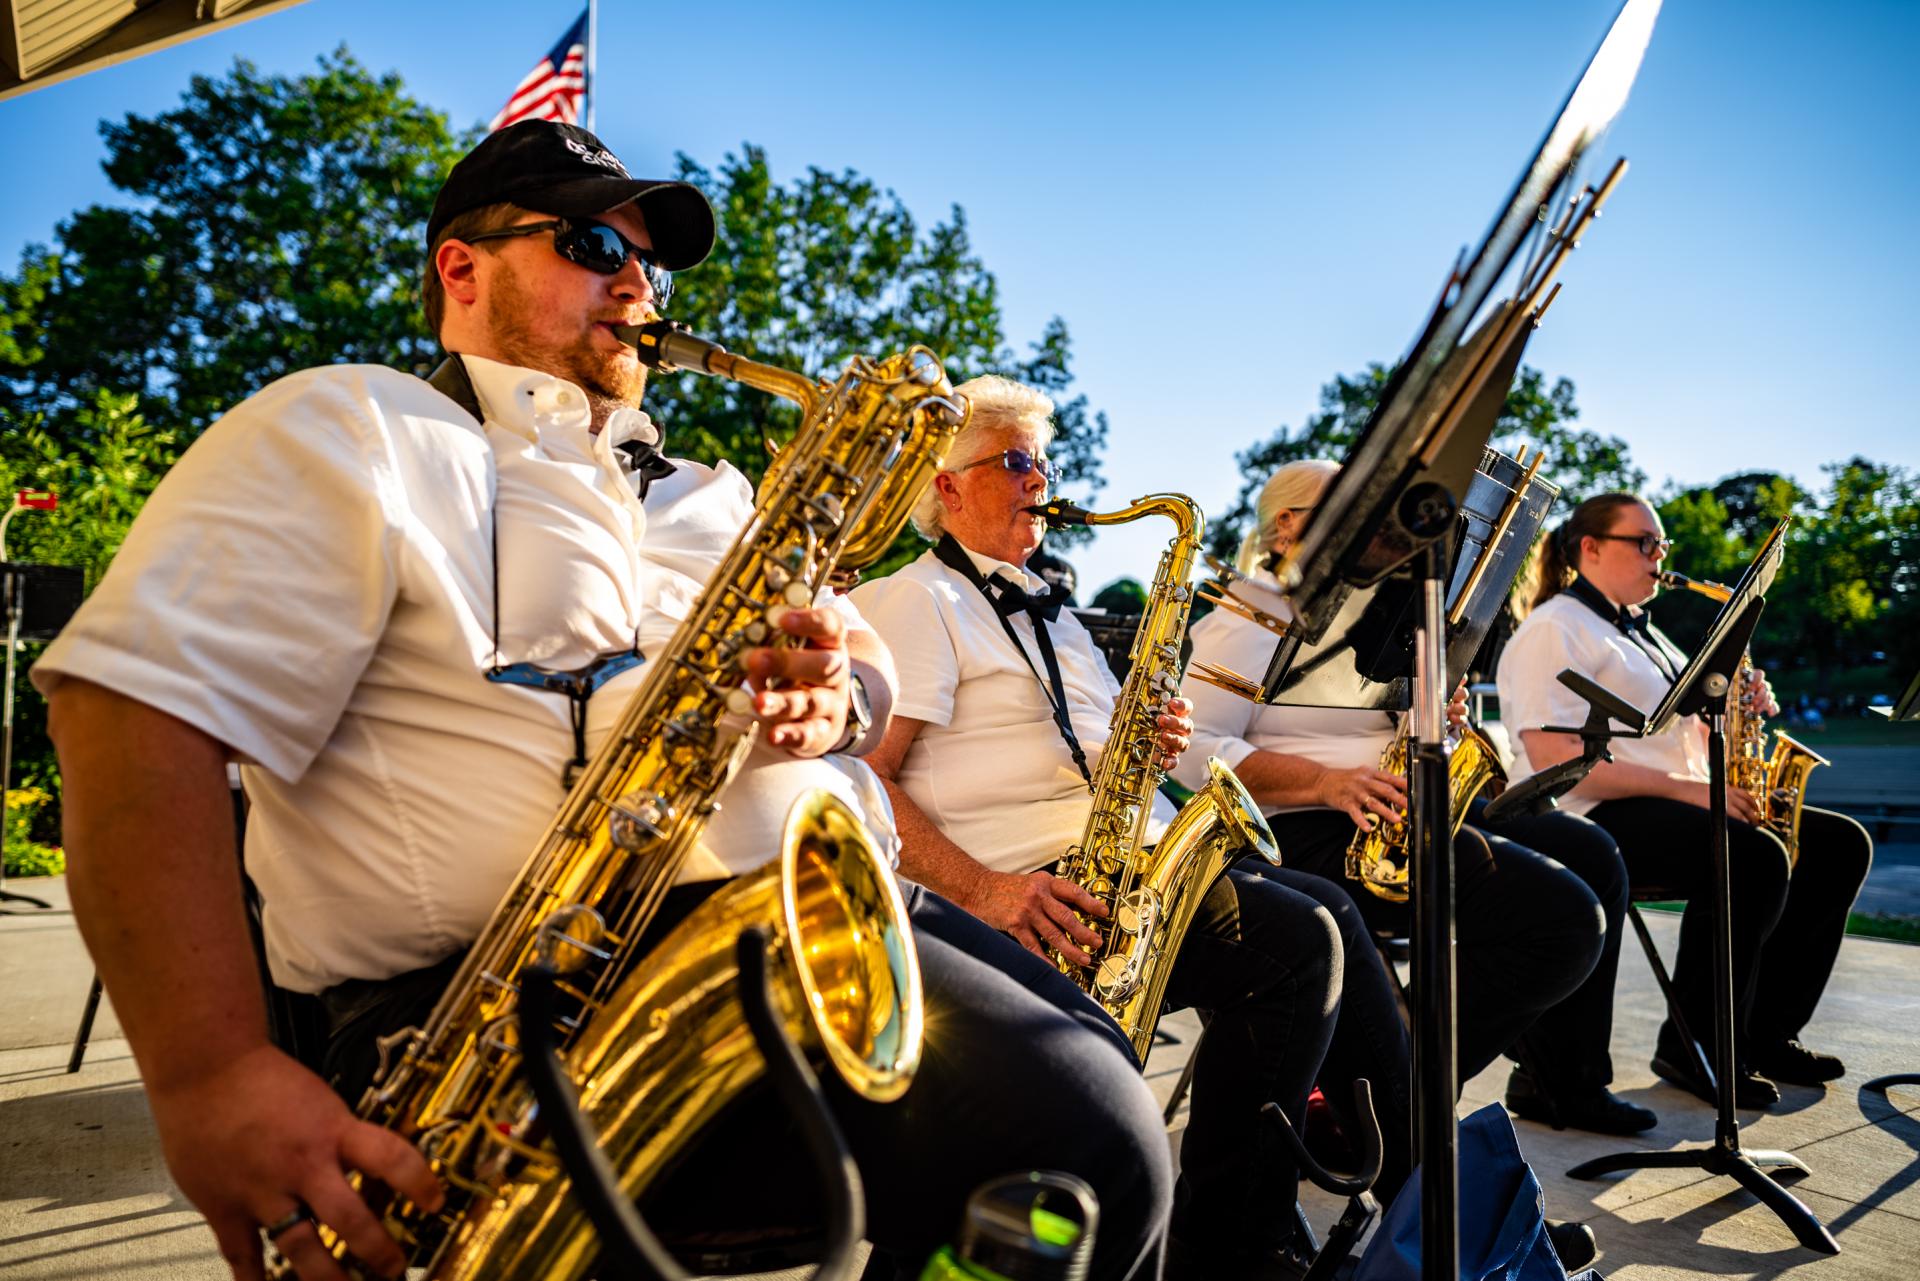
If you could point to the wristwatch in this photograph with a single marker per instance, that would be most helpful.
(859, 717)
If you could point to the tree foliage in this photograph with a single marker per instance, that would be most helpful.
(1848, 587)
(274, 222)
(809, 273)
(1536, 414)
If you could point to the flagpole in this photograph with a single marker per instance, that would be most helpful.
(593, 52)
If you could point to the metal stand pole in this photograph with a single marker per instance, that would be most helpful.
(1435, 1063)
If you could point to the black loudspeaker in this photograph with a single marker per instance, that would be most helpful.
(46, 596)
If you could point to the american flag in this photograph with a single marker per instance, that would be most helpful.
(557, 86)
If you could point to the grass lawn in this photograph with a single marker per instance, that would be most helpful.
(1871, 925)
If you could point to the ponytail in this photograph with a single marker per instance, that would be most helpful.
(1557, 558)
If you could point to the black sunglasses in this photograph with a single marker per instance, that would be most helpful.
(595, 246)
(1647, 543)
(1020, 462)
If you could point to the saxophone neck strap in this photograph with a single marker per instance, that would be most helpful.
(1001, 598)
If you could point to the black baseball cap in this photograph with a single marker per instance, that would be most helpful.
(553, 168)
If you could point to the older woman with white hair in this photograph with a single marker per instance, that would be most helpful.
(1530, 931)
(999, 725)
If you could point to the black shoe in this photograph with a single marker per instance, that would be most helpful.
(1187, 1261)
(1795, 1064)
(1750, 1089)
(1574, 1243)
(1597, 1109)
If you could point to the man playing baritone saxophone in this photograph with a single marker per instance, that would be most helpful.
(346, 586)
(989, 794)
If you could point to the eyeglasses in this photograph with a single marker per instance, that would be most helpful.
(1650, 545)
(1020, 462)
(595, 246)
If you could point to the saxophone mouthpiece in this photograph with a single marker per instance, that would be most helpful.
(668, 345)
(1680, 582)
(1059, 513)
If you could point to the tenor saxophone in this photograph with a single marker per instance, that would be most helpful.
(1151, 894)
(657, 1043)
(1776, 779)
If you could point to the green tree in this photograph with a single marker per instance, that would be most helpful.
(275, 222)
(102, 480)
(1535, 414)
(808, 274)
(1847, 588)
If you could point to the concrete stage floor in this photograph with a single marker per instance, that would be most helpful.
(84, 1192)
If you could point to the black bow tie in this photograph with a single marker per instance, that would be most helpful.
(646, 464)
(1011, 598)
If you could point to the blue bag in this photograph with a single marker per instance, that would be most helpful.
(1503, 1230)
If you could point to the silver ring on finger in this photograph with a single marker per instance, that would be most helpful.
(291, 1219)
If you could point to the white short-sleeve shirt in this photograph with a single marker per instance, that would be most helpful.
(990, 768)
(313, 586)
(1232, 728)
(1565, 633)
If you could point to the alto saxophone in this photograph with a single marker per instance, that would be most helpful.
(1776, 779)
(1377, 856)
(1151, 895)
(657, 1043)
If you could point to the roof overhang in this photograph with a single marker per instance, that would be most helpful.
(46, 41)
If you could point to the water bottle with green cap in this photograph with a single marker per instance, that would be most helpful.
(1025, 1227)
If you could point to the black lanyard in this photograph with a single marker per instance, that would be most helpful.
(1054, 687)
(580, 684)
(1594, 599)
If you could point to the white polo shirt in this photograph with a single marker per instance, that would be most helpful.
(990, 767)
(1564, 633)
(1233, 728)
(313, 586)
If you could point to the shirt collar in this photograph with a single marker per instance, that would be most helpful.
(527, 402)
(990, 567)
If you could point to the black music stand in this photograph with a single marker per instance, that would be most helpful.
(38, 601)
(1907, 708)
(1701, 690)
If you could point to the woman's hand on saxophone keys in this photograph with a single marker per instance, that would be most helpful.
(1176, 731)
(1763, 699)
(1365, 795)
(1741, 807)
(801, 694)
(1038, 911)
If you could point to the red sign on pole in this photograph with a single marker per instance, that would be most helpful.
(42, 500)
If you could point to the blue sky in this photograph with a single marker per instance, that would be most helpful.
(1231, 203)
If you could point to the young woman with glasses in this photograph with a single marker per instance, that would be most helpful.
(1598, 571)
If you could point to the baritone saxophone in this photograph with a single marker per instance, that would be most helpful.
(657, 1043)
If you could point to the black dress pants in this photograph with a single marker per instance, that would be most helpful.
(1020, 1071)
(1528, 931)
(1262, 962)
(1369, 1035)
(1786, 926)
(1567, 1048)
